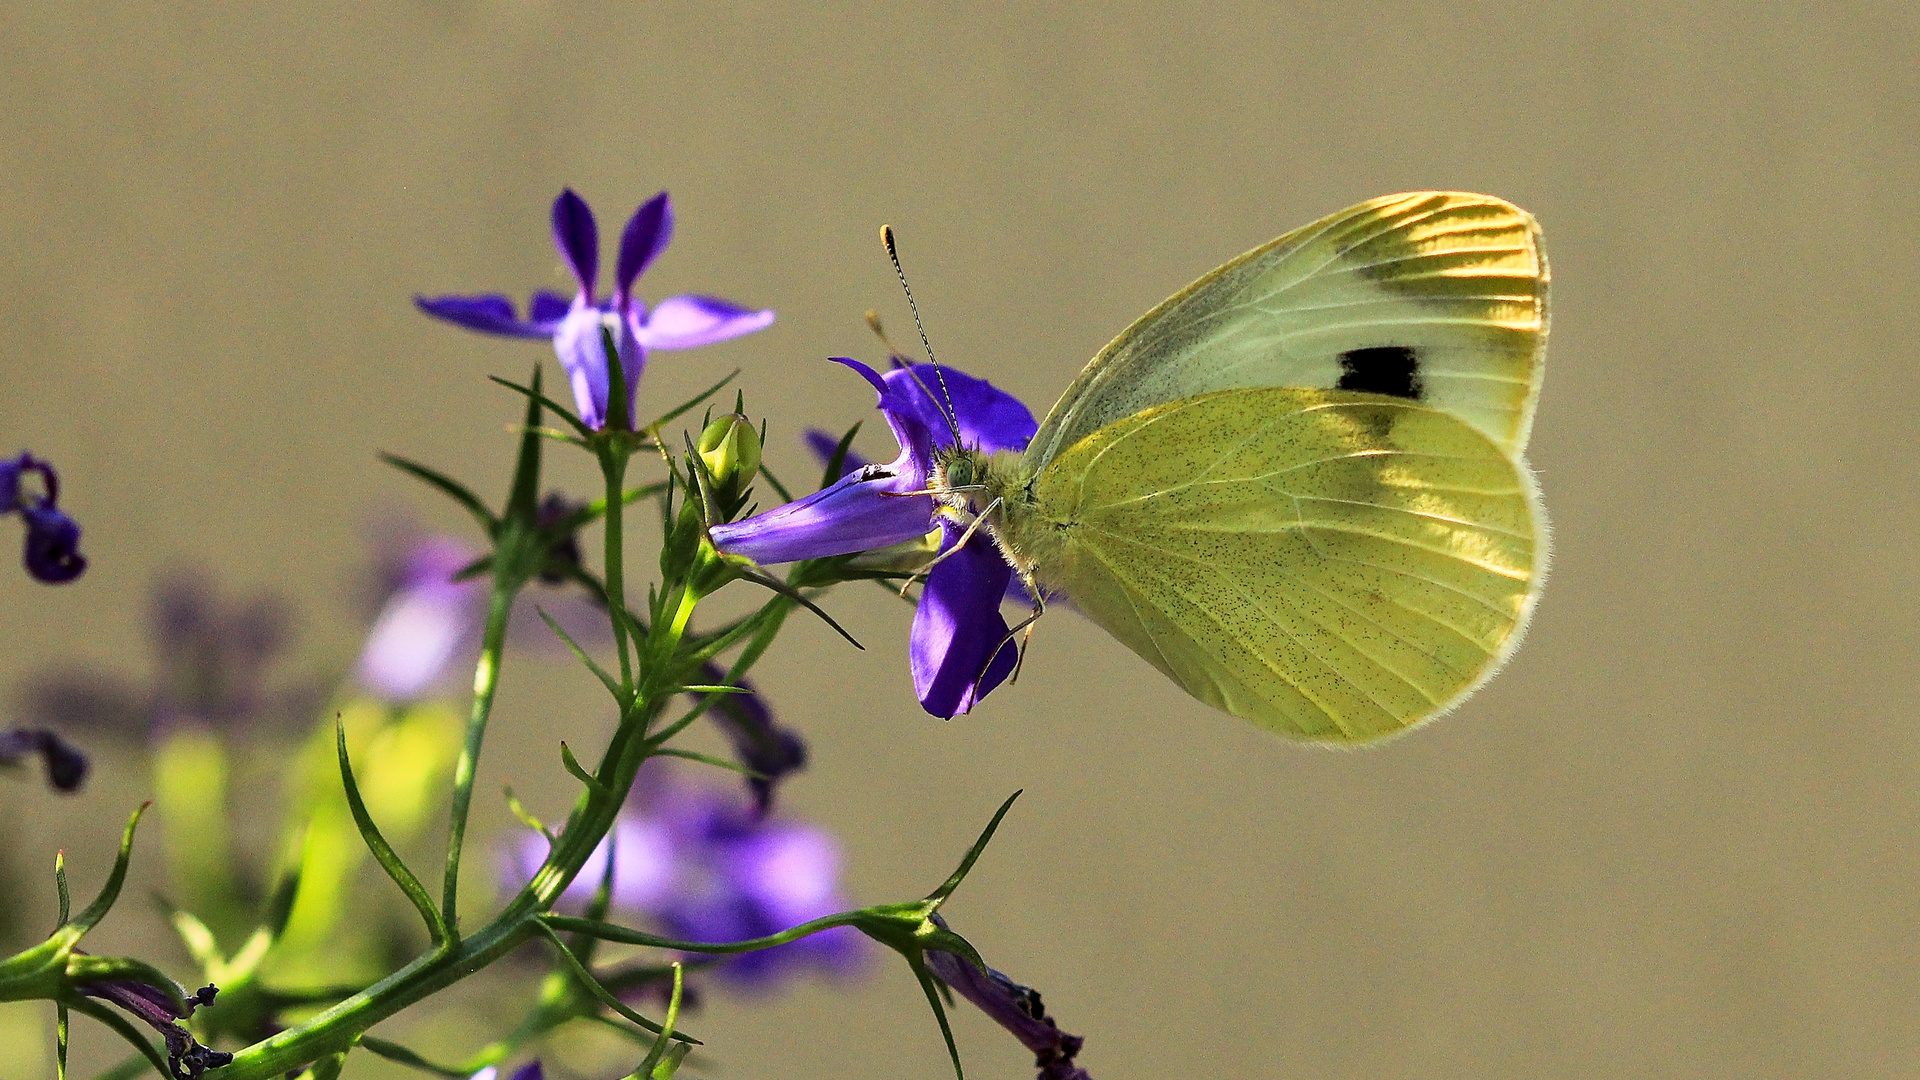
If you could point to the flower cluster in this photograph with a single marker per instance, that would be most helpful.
(53, 538)
(575, 327)
(707, 867)
(957, 626)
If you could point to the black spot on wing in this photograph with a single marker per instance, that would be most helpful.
(1382, 369)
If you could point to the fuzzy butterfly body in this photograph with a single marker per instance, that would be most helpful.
(1296, 487)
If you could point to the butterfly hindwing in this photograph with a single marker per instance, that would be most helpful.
(1334, 565)
(1435, 297)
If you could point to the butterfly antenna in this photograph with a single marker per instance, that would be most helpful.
(880, 331)
(953, 421)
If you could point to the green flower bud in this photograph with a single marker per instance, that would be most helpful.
(731, 448)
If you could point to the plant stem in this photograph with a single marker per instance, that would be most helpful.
(613, 465)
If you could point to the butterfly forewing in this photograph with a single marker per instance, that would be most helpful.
(1436, 297)
(1335, 565)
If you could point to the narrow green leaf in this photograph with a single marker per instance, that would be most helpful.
(448, 486)
(659, 1051)
(620, 695)
(785, 495)
(196, 936)
(383, 852)
(560, 410)
(526, 817)
(60, 883)
(580, 772)
(601, 993)
(111, 890)
(700, 688)
(524, 495)
(920, 972)
(479, 567)
(709, 759)
(973, 853)
(837, 461)
(280, 904)
(670, 1063)
(677, 412)
(794, 594)
(619, 413)
(60, 1041)
(398, 1054)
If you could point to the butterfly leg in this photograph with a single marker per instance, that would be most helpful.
(978, 520)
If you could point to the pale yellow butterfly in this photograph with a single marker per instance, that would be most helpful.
(1296, 486)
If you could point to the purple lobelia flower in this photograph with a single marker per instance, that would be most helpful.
(1016, 1008)
(958, 624)
(53, 538)
(759, 743)
(428, 622)
(678, 322)
(66, 766)
(706, 866)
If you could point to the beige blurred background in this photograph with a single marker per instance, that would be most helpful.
(1675, 838)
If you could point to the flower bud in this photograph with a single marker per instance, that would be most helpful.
(731, 448)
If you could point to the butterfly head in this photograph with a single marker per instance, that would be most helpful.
(958, 475)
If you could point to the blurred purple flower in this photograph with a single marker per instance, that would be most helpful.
(678, 322)
(428, 621)
(213, 659)
(957, 624)
(758, 742)
(1014, 1007)
(704, 866)
(530, 1071)
(66, 766)
(53, 538)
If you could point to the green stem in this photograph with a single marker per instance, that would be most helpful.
(486, 679)
(614, 467)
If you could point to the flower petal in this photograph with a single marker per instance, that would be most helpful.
(647, 234)
(1014, 1007)
(990, 419)
(578, 238)
(584, 358)
(53, 543)
(758, 742)
(490, 314)
(855, 514)
(686, 322)
(548, 308)
(957, 626)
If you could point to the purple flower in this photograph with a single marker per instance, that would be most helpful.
(678, 322)
(758, 742)
(428, 622)
(705, 866)
(957, 625)
(53, 538)
(185, 1056)
(66, 766)
(214, 664)
(1016, 1008)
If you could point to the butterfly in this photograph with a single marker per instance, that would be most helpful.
(1297, 487)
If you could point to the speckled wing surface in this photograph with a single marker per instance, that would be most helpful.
(1334, 565)
(1433, 296)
